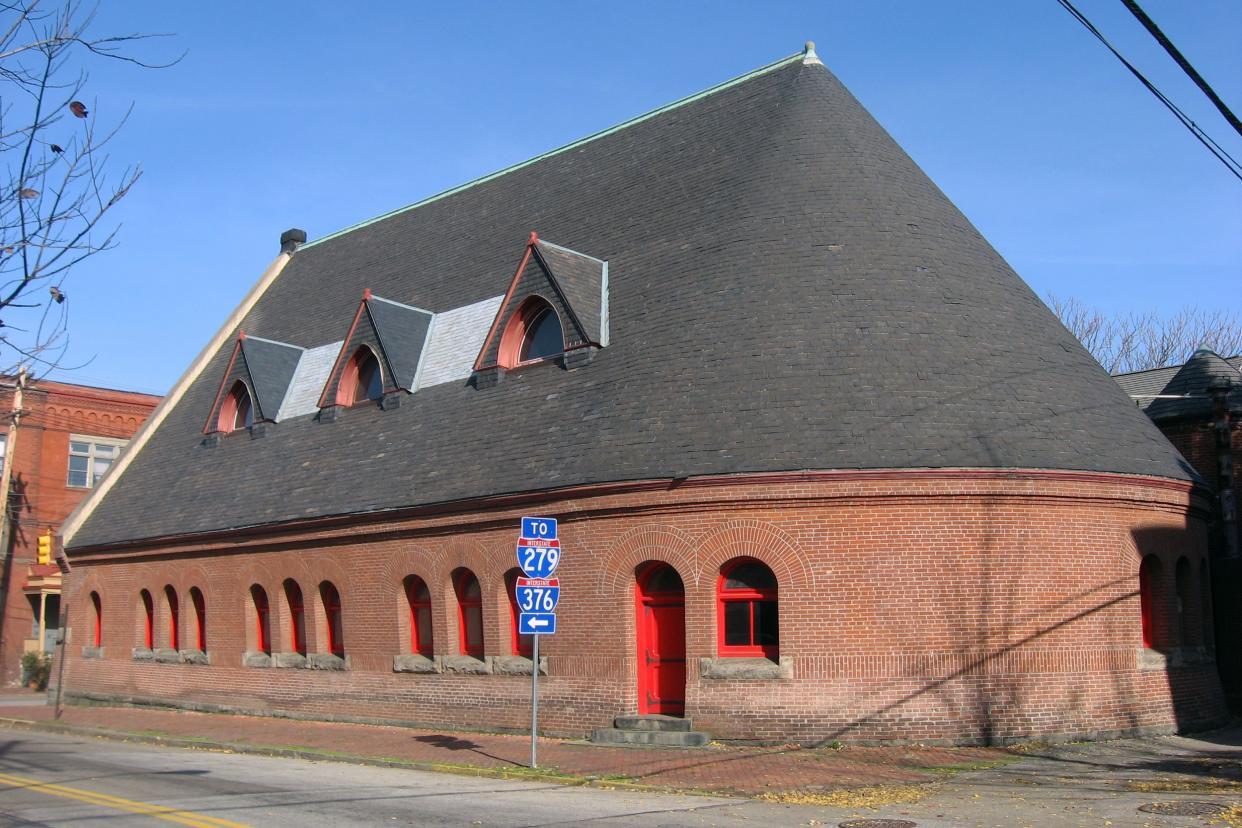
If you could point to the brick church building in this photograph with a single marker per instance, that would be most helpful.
(825, 467)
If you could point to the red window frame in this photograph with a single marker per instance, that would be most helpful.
(200, 619)
(97, 605)
(262, 617)
(350, 391)
(751, 597)
(297, 616)
(331, 599)
(420, 615)
(227, 420)
(469, 607)
(523, 645)
(1148, 580)
(174, 617)
(148, 630)
(509, 353)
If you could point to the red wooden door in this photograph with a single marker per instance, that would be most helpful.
(661, 642)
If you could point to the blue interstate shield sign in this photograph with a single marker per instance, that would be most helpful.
(537, 623)
(538, 558)
(537, 594)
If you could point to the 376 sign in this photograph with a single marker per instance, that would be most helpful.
(537, 594)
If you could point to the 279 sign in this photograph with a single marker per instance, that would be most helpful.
(537, 594)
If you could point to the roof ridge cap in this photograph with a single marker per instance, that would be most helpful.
(797, 57)
(274, 342)
(373, 297)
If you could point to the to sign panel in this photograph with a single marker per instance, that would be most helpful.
(537, 528)
(537, 594)
(537, 623)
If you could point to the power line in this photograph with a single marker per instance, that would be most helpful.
(1224, 157)
(1181, 61)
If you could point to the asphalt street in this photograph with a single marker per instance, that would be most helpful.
(56, 780)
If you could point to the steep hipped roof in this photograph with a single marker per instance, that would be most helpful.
(1191, 383)
(786, 291)
(1145, 386)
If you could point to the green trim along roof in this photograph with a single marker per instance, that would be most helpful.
(720, 87)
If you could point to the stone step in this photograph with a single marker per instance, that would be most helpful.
(652, 722)
(662, 738)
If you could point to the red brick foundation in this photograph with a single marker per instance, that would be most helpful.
(958, 606)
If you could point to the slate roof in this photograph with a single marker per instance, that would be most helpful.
(1145, 386)
(271, 366)
(1191, 383)
(786, 291)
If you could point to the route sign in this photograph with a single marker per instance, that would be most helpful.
(538, 550)
(537, 594)
(536, 623)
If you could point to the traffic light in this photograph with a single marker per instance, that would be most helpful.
(45, 548)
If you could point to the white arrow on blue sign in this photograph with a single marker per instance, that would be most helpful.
(537, 623)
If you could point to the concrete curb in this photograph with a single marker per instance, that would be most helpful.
(310, 754)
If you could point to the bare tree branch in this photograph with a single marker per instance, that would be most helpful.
(54, 190)
(1139, 341)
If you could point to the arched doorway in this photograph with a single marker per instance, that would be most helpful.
(661, 626)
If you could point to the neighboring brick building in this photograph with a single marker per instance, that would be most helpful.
(58, 442)
(825, 467)
(1198, 406)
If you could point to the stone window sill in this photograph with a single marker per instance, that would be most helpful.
(254, 658)
(466, 665)
(746, 669)
(414, 663)
(167, 655)
(517, 665)
(91, 653)
(310, 661)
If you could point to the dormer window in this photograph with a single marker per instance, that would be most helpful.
(237, 412)
(534, 333)
(362, 379)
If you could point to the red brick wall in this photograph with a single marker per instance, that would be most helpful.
(41, 498)
(913, 606)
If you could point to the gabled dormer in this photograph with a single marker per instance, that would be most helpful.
(381, 356)
(254, 384)
(556, 308)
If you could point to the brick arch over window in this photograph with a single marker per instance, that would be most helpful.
(295, 610)
(419, 637)
(332, 633)
(764, 542)
(96, 619)
(199, 605)
(653, 542)
(261, 620)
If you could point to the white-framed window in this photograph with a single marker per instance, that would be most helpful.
(90, 457)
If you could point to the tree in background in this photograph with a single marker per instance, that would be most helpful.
(54, 188)
(1138, 341)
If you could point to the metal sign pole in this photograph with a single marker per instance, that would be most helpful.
(534, 701)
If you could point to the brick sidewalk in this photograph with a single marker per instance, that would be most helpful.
(730, 770)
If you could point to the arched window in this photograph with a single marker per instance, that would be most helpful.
(1205, 604)
(361, 380)
(237, 410)
(200, 619)
(148, 626)
(97, 606)
(262, 619)
(174, 617)
(534, 332)
(418, 597)
(470, 612)
(297, 617)
(747, 610)
(331, 600)
(1181, 581)
(1151, 602)
(523, 645)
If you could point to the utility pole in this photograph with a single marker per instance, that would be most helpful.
(6, 477)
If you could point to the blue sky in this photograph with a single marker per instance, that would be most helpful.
(322, 114)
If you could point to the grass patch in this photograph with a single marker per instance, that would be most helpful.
(1186, 786)
(966, 767)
